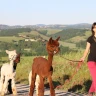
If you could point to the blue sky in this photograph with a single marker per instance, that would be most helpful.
(30, 12)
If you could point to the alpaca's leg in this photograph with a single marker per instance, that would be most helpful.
(41, 87)
(33, 78)
(5, 86)
(52, 91)
(1, 83)
(14, 90)
(29, 78)
(37, 84)
(9, 86)
(37, 81)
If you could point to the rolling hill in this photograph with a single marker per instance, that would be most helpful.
(52, 26)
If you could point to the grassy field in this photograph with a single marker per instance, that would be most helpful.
(63, 71)
(10, 38)
(76, 39)
(66, 43)
(29, 33)
(53, 31)
(79, 38)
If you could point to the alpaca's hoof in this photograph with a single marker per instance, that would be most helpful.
(14, 92)
(53, 93)
(2, 93)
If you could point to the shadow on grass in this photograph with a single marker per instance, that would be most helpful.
(66, 77)
(20, 81)
(75, 88)
(85, 87)
(58, 83)
(55, 83)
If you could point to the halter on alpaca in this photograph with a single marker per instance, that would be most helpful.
(43, 68)
(7, 73)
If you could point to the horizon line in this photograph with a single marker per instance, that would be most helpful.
(43, 24)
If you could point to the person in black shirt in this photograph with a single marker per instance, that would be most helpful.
(91, 49)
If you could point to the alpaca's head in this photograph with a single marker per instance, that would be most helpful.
(53, 46)
(11, 55)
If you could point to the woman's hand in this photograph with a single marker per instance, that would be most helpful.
(82, 59)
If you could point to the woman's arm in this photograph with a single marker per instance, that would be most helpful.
(85, 52)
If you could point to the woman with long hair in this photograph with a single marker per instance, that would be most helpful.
(91, 49)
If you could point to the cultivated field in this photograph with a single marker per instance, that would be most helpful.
(10, 38)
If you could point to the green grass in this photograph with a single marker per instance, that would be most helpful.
(66, 44)
(64, 69)
(76, 39)
(29, 33)
(79, 38)
(88, 33)
(23, 69)
(53, 31)
(10, 38)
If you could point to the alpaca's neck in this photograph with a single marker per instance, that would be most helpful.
(11, 62)
(11, 65)
(50, 58)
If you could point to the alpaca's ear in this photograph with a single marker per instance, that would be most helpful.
(50, 40)
(58, 38)
(7, 51)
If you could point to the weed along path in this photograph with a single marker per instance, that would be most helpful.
(22, 90)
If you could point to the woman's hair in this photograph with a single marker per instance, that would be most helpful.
(94, 24)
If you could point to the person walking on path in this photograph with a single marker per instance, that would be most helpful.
(91, 60)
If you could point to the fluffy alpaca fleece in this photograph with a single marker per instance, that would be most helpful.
(7, 73)
(36, 82)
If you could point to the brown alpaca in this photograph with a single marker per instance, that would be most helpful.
(43, 68)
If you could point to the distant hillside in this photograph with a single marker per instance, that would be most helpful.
(53, 26)
(69, 37)
(69, 33)
(13, 32)
(80, 26)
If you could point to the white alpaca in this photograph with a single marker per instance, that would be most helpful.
(7, 73)
(36, 82)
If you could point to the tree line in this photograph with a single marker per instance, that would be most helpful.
(28, 48)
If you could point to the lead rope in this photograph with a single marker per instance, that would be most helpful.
(77, 68)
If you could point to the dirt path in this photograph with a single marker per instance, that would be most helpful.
(23, 90)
